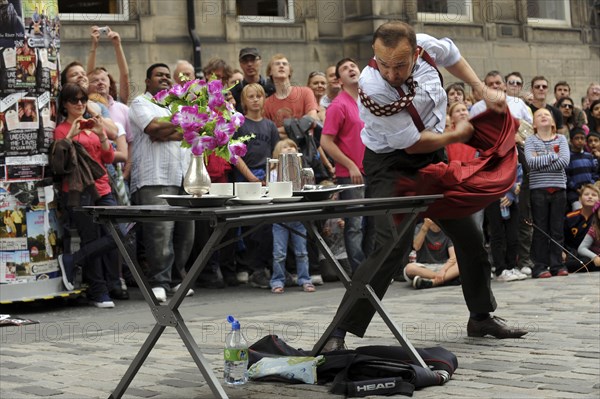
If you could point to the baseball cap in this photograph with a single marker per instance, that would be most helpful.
(253, 51)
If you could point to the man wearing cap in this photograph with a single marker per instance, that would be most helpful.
(250, 62)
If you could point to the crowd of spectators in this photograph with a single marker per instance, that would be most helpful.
(546, 225)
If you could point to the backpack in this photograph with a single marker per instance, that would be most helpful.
(368, 370)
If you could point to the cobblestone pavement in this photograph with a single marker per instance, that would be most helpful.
(559, 358)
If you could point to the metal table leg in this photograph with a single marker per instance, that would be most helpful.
(356, 289)
(168, 315)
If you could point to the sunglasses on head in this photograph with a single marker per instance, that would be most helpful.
(77, 100)
(515, 83)
(543, 87)
(568, 106)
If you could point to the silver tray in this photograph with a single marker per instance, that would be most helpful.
(207, 200)
(322, 193)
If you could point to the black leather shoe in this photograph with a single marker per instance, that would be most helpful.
(334, 344)
(494, 326)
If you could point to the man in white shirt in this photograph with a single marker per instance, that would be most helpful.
(403, 105)
(158, 167)
(518, 108)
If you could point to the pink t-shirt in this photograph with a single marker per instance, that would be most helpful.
(343, 122)
(299, 103)
(92, 145)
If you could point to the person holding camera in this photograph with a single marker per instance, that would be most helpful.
(123, 93)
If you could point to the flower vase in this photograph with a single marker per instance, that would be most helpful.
(197, 179)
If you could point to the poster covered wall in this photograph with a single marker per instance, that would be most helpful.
(30, 231)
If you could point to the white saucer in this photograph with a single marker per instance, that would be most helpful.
(259, 201)
(287, 199)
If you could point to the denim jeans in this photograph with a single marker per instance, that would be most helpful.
(353, 227)
(281, 235)
(547, 210)
(166, 244)
(96, 243)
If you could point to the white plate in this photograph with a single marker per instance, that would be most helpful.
(287, 199)
(259, 201)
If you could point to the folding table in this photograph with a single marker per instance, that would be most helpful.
(227, 217)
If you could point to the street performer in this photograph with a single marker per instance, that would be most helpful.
(403, 105)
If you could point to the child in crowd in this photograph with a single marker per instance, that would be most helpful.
(282, 232)
(503, 226)
(593, 143)
(333, 234)
(577, 224)
(257, 247)
(547, 154)
(581, 170)
(590, 246)
(436, 260)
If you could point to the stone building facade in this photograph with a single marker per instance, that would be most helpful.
(556, 38)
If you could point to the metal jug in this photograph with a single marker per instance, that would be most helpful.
(289, 168)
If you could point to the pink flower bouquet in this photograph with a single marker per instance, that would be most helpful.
(207, 121)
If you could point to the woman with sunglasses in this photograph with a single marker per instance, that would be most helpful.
(567, 108)
(95, 241)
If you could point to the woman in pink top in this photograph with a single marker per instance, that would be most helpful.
(82, 127)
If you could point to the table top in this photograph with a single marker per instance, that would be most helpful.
(244, 214)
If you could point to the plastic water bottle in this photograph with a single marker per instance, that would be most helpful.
(505, 212)
(235, 355)
(412, 257)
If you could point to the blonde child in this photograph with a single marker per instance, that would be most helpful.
(282, 234)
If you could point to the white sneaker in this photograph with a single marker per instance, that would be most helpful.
(517, 272)
(160, 293)
(104, 305)
(526, 270)
(189, 293)
(317, 279)
(242, 277)
(507, 275)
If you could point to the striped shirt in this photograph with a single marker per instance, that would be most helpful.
(154, 163)
(547, 161)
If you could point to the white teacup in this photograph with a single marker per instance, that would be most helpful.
(221, 188)
(280, 189)
(247, 190)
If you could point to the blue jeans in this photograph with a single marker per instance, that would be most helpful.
(281, 235)
(167, 244)
(353, 227)
(547, 211)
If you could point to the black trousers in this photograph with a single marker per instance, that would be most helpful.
(383, 172)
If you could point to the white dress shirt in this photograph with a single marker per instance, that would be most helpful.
(154, 163)
(518, 109)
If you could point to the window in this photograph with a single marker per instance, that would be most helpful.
(265, 11)
(453, 11)
(94, 10)
(548, 12)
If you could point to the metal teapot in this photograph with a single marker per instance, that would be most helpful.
(289, 168)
